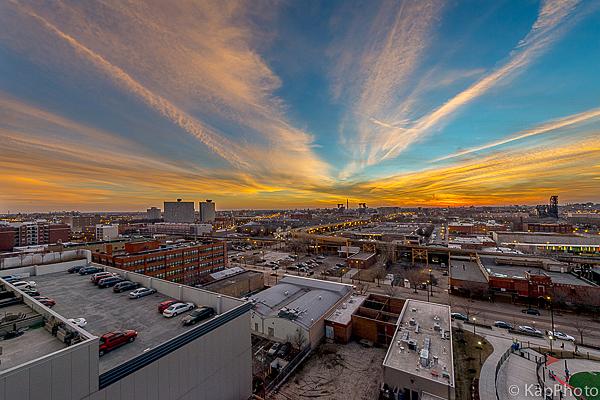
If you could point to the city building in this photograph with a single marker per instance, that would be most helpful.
(20, 234)
(207, 211)
(296, 308)
(107, 232)
(361, 260)
(338, 325)
(419, 362)
(179, 211)
(235, 282)
(547, 227)
(180, 229)
(153, 214)
(53, 358)
(79, 222)
(375, 319)
(476, 227)
(188, 262)
(543, 242)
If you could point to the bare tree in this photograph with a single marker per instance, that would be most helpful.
(391, 290)
(299, 339)
(581, 328)
(415, 276)
(468, 309)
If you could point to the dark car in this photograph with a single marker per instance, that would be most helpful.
(31, 292)
(125, 285)
(111, 340)
(531, 311)
(75, 269)
(502, 324)
(284, 350)
(198, 315)
(459, 316)
(89, 270)
(108, 282)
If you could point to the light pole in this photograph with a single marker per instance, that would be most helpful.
(427, 291)
(552, 321)
(430, 282)
(480, 347)
(474, 320)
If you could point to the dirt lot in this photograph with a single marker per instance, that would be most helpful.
(334, 371)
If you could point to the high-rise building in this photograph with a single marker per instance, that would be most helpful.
(153, 214)
(179, 211)
(107, 232)
(207, 211)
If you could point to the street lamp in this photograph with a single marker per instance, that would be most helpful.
(430, 281)
(552, 321)
(474, 320)
(480, 346)
(427, 291)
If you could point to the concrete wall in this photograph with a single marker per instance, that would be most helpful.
(402, 380)
(44, 258)
(217, 366)
(69, 374)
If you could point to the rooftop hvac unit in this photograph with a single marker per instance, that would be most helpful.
(437, 327)
(412, 322)
(412, 345)
(424, 358)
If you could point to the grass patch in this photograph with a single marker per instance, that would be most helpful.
(467, 367)
(588, 380)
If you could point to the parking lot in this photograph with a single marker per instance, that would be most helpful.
(76, 296)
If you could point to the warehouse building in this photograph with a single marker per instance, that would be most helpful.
(296, 307)
(236, 282)
(55, 359)
(419, 362)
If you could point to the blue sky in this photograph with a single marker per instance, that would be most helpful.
(113, 106)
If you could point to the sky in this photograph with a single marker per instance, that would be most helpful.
(121, 105)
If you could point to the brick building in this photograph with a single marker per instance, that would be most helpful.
(32, 233)
(551, 228)
(186, 263)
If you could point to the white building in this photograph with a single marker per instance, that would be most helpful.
(179, 211)
(180, 229)
(419, 361)
(207, 211)
(60, 360)
(107, 232)
(295, 307)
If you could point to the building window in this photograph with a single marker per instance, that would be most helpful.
(271, 331)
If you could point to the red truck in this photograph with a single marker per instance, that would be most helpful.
(111, 340)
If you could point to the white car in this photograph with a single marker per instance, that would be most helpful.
(141, 292)
(80, 322)
(178, 308)
(561, 336)
(25, 284)
(529, 330)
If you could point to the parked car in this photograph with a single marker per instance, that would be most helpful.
(561, 336)
(164, 305)
(80, 322)
(11, 278)
(111, 340)
(198, 315)
(95, 278)
(75, 269)
(459, 316)
(178, 308)
(109, 282)
(284, 350)
(530, 330)
(141, 292)
(531, 311)
(30, 291)
(274, 349)
(125, 285)
(502, 324)
(89, 270)
(24, 284)
(320, 257)
(47, 301)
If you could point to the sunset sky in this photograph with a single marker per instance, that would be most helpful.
(119, 105)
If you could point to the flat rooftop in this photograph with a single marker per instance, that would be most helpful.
(516, 271)
(76, 296)
(230, 280)
(343, 314)
(466, 270)
(36, 342)
(361, 256)
(422, 344)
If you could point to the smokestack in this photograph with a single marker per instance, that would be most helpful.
(347, 205)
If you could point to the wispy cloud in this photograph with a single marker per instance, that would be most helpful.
(539, 130)
(385, 124)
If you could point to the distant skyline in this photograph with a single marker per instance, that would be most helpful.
(122, 105)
